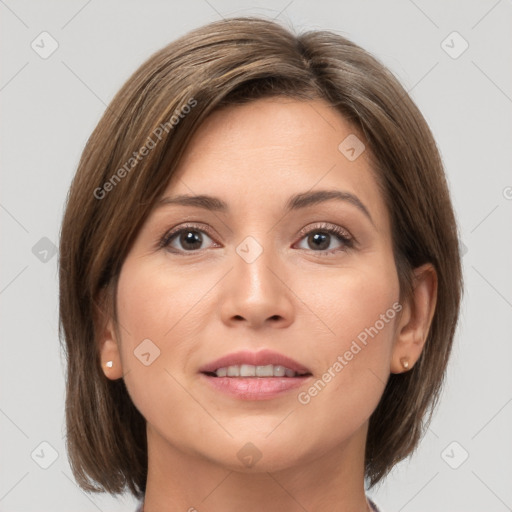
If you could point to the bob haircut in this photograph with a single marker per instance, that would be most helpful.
(131, 156)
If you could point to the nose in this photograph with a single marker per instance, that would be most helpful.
(256, 292)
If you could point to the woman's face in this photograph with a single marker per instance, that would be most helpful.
(261, 278)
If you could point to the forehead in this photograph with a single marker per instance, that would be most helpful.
(259, 154)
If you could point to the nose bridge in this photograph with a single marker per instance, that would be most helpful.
(256, 291)
(255, 257)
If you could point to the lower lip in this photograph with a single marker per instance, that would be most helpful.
(254, 388)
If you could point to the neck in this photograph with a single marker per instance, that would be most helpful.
(179, 481)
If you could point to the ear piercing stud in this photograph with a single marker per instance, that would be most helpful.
(109, 364)
(405, 363)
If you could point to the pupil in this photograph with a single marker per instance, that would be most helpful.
(323, 239)
(191, 237)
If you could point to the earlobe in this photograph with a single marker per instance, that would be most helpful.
(414, 324)
(108, 347)
(107, 344)
(110, 358)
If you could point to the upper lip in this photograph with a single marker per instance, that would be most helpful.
(260, 358)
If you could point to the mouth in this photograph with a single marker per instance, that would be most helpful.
(255, 375)
(250, 371)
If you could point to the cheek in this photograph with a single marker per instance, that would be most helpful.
(353, 365)
(356, 312)
(345, 302)
(161, 317)
(151, 302)
(150, 307)
(145, 314)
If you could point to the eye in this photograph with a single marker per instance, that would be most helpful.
(189, 238)
(320, 238)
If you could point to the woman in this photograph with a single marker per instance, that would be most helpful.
(259, 277)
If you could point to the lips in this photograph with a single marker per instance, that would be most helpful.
(255, 376)
(255, 364)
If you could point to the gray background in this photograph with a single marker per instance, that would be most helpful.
(51, 105)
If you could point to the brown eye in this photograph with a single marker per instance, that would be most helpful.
(320, 239)
(185, 239)
(189, 240)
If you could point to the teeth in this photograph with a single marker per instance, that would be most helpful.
(233, 371)
(279, 371)
(248, 370)
(222, 372)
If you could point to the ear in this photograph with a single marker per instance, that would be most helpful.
(108, 345)
(414, 323)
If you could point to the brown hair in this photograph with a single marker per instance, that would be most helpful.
(117, 183)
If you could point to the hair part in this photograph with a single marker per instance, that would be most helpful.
(226, 63)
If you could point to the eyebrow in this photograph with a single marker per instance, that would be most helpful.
(295, 202)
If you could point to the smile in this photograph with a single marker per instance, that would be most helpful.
(249, 370)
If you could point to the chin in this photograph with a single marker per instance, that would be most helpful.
(257, 454)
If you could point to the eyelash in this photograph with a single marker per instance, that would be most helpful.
(342, 234)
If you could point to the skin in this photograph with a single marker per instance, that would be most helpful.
(295, 298)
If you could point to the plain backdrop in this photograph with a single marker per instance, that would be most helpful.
(454, 59)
